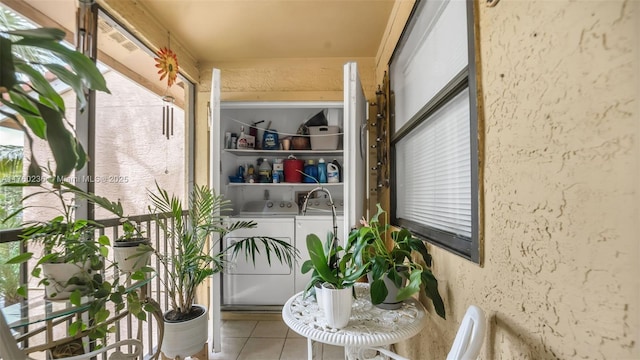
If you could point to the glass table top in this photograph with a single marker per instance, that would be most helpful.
(37, 308)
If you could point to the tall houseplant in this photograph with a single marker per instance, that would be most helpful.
(390, 266)
(193, 259)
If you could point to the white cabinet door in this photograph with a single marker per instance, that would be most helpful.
(355, 135)
(214, 182)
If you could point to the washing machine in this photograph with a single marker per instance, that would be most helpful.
(246, 284)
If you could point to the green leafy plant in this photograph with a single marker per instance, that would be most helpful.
(331, 264)
(28, 95)
(193, 260)
(394, 262)
(65, 239)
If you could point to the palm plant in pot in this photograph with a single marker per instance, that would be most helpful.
(336, 271)
(193, 259)
(393, 273)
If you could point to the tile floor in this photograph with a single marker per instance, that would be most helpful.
(266, 340)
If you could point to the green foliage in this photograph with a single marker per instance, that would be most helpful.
(343, 275)
(395, 262)
(9, 274)
(10, 197)
(65, 239)
(193, 260)
(31, 97)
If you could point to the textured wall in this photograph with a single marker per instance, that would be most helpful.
(560, 90)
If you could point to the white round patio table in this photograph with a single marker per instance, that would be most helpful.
(370, 331)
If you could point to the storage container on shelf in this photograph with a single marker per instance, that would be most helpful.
(324, 137)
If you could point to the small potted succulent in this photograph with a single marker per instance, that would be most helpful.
(393, 273)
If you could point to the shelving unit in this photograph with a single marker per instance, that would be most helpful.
(284, 153)
(285, 118)
(296, 185)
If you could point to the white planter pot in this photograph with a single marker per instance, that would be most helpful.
(337, 306)
(319, 296)
(185, 338)
(58, 275)
(131, 258)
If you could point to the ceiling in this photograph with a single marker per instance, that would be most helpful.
(228, 30)
(223, 30)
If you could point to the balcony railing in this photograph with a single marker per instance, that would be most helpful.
(128, 326)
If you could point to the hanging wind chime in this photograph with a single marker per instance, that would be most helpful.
(167, 62)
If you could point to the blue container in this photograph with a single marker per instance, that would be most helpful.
(270, 140)
(322, 171)
(311, 171)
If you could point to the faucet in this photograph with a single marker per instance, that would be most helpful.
(333, 262)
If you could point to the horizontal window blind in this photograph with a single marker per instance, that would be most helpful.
(433, 170)
(434, 52)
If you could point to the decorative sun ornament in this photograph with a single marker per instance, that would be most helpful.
(167, 62)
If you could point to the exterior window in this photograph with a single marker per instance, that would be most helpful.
(131, 151)
(434, 128)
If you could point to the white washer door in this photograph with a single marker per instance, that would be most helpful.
(262, 284)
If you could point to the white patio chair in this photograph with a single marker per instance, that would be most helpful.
(9, 349)
(468, 341)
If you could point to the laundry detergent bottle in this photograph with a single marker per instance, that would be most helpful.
(311, 172)
(322, 171)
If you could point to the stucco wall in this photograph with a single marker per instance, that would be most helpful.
(560, 91)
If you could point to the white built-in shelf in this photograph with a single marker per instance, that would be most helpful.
(284, 153)
(309, 185)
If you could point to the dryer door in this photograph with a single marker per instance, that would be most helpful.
(262, 284)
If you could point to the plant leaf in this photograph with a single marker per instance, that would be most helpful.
(81, 64)
(44, 33)
(378, 291)
(7, 70)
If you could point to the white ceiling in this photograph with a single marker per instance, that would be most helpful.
(222, 30)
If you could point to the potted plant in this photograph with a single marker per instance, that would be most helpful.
(390, 267)
(71, 262)
(193, 259)
(336, 271)
(131, 250)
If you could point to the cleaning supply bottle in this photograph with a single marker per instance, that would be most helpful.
(264, 171)
(242, 140)
(322, 171)
(337, 164)
(278, 171)
(333, 173)
(311, 172)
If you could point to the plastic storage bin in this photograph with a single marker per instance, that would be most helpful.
(324, 137)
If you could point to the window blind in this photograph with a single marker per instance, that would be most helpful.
(433, 170)
(432, 55)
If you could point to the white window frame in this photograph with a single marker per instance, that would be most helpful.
(467, 243)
